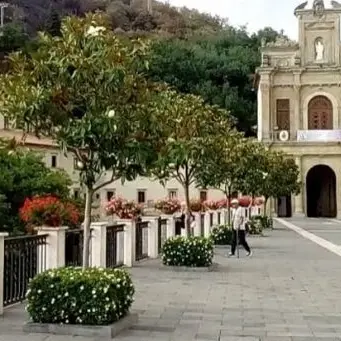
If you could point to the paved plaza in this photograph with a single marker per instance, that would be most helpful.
(289, 290)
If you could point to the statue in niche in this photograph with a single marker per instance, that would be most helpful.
(319, 50)
(318, 7)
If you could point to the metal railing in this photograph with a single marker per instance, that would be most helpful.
(211, 219)
(141, 248)
(161, 233)
(219, 218)
(74, 247)
(115, 246)
(24, 258)
(202, 223)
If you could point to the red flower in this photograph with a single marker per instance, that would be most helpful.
(49, 211)
(168, 206)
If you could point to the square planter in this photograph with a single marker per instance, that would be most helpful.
(108, 331)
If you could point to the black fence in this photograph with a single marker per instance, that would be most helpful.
(115, 245)
(219, 218)
(74, 247)
(141, 249)
(211, 219)
(161, 233)
(202, 224)
(24, 258)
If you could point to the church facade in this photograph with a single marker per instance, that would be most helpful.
(299, 108)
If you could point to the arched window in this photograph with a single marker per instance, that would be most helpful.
(320, 113)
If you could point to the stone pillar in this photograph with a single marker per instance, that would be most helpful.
(197, 226)
(54, 254)
(215, 218)
(129, 249)
(170, 226)
(296, 119)
(99, 244)
(265, 98)
(298, 199)
(153, 249)
(207, 225)
(2, 259)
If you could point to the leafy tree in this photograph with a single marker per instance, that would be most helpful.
(191, 128)
(281, 178)
(23, 174)
(224, 165)
(83, 90)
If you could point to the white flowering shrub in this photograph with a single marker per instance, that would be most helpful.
(221, 235)
(188, 251)
(93, 296)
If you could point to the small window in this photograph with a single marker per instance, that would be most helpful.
(110, 195)
(97, 196)
(172, 193)
(203, 195)
(76, 193)
(141, 196)
(53, 161)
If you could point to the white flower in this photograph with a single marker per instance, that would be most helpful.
(66, 294)
(80, 165)
(94, 31)
(111, 113)
(81, 288)
(53, 300)
(39, 291)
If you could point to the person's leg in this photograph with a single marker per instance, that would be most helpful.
(233, 242)
(243, 241)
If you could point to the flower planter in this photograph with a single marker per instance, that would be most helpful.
(210, 268)
(108, 331)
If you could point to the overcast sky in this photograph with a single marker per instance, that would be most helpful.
(256, 14)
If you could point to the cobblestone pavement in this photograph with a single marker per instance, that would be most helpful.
(289, 290)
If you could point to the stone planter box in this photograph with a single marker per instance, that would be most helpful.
(210, 268)
(223, 246)
(108, 331)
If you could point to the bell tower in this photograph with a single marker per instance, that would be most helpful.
(319, 33)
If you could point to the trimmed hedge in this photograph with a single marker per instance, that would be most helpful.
(221, 235)
(188, 251)
(94, 296)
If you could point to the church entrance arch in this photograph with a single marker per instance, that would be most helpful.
(320, 113)
(321, 192)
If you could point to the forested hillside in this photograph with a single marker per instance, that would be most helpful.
(191, 51)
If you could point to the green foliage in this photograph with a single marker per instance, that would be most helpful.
(72, 296)
(221, 235)
(265, 221)
(191, 251)
(13, 38)
(87, 92)
(255, 226)
(23, 175)
(190, 128)
(282, 177)
(53, 25)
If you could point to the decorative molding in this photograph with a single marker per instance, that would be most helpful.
(315, 85)
(319, 26)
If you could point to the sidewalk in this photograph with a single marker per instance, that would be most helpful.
(288, 290)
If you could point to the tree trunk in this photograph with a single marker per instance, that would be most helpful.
(265, 203)
(188, 210)
(87, 223)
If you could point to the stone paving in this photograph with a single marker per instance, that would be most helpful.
(289, 290)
